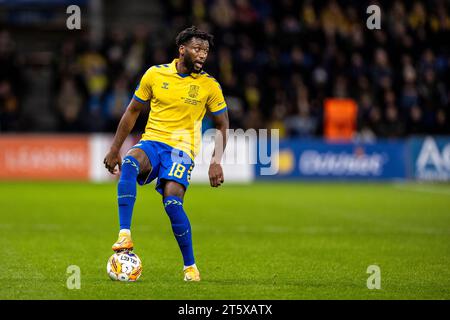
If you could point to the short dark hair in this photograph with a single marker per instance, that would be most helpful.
(187, 34)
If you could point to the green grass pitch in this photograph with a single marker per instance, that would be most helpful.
(256, 241)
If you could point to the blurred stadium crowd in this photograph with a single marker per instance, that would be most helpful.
(276, 62)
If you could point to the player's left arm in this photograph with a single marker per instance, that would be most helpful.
(215, 172)
(217, 106)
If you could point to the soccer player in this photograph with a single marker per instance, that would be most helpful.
(180, 93)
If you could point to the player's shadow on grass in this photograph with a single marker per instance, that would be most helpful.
(125, 283)
(255, 282)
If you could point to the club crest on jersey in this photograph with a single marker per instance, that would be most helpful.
(193, 91)
(165, 85)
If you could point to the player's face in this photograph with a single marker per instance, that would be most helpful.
(195, 54)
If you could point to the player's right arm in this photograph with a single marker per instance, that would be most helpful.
(126, 124)
(142, 95)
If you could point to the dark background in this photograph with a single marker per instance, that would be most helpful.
(276, 61)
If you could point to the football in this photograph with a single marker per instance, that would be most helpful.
(124, 266)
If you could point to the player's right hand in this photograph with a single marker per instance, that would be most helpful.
(112, 160)
(215, 174)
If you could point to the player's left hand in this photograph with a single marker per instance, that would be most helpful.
(215, 175)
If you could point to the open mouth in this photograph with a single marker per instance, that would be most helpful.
(198, 64)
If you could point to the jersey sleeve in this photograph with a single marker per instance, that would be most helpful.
(143, 91)
(216, 102)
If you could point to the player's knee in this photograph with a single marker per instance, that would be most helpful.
(174, 209)
(130, 168)
(173, 205)
(173, 189)
(141, 157)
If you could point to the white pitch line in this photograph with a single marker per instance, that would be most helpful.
(422, 189)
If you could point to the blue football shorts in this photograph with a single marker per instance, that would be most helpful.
(168, 164)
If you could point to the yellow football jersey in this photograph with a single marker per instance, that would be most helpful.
(178, 105)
